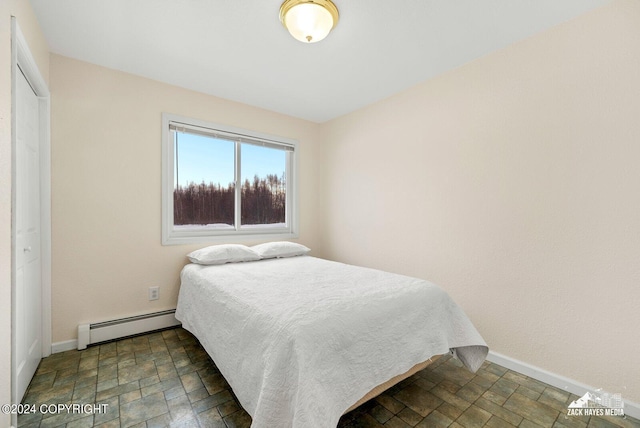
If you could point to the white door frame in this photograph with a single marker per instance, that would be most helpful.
(21, 57)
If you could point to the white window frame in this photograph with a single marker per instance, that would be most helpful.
(172, 236)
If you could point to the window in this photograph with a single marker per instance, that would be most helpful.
(221, 182)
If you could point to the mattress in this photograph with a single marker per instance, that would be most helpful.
(301, 339)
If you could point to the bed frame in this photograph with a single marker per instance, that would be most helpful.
(391, 382)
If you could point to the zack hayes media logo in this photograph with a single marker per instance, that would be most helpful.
(597, 403)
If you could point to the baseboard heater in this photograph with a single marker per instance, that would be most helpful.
(89, 334)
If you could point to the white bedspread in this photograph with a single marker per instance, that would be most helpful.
(302, 339)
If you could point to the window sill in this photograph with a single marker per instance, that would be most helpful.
(197, 237)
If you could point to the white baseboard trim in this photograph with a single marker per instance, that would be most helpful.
(558, 381)
(67, 345)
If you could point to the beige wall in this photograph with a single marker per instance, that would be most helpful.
(106, 188)
(31, 30)
(514, 183)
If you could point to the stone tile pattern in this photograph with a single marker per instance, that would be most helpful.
(166, 379)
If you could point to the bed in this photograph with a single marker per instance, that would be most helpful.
(301, 340)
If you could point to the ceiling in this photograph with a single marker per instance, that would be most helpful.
(238, 50)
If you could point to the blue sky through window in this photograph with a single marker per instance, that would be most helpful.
(201, 158)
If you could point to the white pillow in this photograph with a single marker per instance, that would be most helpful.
(221, 254)
(272, 250)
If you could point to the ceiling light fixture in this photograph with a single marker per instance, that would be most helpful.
(309, 20)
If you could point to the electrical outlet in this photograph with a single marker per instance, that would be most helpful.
(154, 293)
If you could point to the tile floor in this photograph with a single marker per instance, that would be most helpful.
(167, 379)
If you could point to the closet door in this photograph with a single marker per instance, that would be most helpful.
(28, 274)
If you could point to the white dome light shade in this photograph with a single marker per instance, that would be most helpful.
(308, 21)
